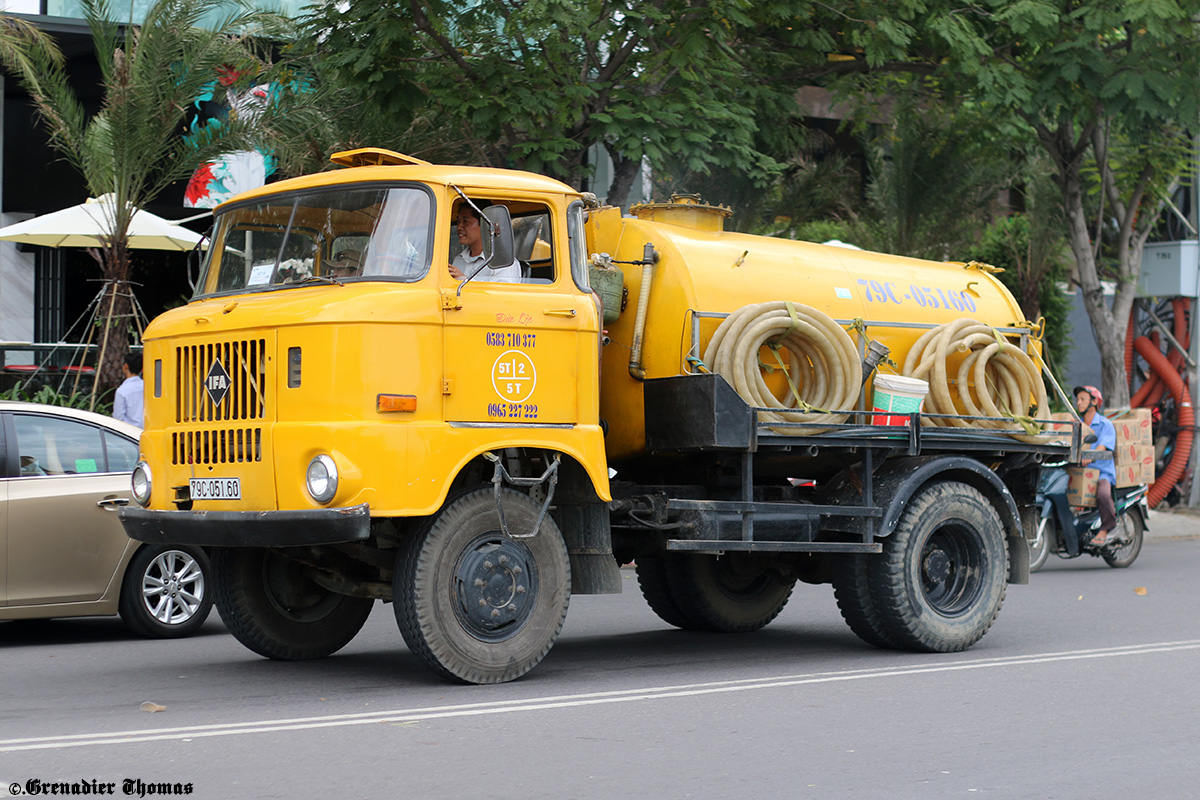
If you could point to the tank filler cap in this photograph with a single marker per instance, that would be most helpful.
(686, 210)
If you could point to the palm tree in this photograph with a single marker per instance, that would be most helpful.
(132, 148)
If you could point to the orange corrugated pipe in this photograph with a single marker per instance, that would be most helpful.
(1185, 419)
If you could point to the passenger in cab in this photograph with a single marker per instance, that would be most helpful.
(467, 263)
(346, 264)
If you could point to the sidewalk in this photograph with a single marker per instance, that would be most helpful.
(1175, 523)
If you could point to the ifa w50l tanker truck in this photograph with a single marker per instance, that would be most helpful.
(344, 418)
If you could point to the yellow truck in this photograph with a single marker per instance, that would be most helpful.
(473, 392)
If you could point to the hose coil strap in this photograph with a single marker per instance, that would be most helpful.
(823, 369)
(994, 379)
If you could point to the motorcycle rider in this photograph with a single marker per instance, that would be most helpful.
(1088, 402)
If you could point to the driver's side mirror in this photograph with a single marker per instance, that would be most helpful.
(497, 236)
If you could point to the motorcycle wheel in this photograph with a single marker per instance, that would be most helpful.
(1131, 529)
(1039, 548)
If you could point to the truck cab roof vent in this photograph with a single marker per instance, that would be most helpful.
(374, 157)
(687, 210)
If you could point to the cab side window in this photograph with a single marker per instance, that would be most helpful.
(533, 242)
(50, 446)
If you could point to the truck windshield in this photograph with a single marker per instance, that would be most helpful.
(334, 236)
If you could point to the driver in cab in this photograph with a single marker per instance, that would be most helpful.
(469, 261)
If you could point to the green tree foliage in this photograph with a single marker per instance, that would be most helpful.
(1106, 90)
(132, 146)
(689, 87)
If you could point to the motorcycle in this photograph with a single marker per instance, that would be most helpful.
(1068, 532)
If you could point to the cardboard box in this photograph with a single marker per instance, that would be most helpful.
(1133, 426)
(1128, 475)
(1061, 428)
(1147, 466)
(1081, 486)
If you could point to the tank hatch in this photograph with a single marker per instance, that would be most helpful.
(687, 210)
(374, 157)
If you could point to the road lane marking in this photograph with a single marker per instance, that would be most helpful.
(569, 701)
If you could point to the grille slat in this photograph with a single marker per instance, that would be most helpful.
(245, 362)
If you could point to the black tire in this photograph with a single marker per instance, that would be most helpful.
(274, 609)
(652, 578)
(733, 593)
(1129, 527)
(851, 589)
(941, 579)
(477, 606)
(1040, 547)
(166, 592)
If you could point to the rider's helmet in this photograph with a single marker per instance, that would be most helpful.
(1094, 392)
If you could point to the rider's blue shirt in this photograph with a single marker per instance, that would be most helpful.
(1106, 437)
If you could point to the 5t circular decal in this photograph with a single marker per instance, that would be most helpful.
(514, 376)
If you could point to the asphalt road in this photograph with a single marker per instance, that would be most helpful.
(1084, 688)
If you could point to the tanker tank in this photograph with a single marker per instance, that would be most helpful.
(700, 267)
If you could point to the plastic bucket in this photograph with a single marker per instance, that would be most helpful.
(895, 397)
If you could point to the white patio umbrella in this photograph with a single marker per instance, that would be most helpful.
(85, 224)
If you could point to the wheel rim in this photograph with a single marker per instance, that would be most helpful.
(1125, 532)
(293, 594)
(738, 579)
(173, 587)
(951, 570)
(495, 587)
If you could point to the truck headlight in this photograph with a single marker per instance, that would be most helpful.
(142, 483)
(322, 479)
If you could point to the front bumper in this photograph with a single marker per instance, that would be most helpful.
(248, 528)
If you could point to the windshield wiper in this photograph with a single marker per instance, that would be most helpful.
(319, 279)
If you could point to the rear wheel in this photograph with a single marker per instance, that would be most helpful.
(478, 606)
(166, 593)
(940, 581)
(1130, 531)
(271, 606)
(652, 578)
(733, 593)
(851, 589)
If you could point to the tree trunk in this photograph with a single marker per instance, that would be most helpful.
(116, 321)
(625, 170)
(1108, 325)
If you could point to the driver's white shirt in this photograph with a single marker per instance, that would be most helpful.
(469, 263)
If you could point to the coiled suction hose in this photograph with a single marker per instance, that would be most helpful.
(824, 369)
(1003, 376)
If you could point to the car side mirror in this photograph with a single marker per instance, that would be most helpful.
(497, 236)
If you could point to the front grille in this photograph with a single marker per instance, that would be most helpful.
(238, 434)
(224, 446)
(245, 362)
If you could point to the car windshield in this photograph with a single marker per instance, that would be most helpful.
(334, 236)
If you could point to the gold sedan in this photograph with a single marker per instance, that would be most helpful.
(64, 473)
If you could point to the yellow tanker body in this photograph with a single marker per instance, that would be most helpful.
(473, 392)
(702, 268)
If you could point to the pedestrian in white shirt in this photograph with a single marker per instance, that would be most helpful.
(129, 403)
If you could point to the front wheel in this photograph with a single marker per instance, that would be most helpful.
(271, 605)
(166, 593)
(1040, 547)
(1130, 532)
(475, 605)
(940, 581)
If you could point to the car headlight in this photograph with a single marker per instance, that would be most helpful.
(322, 478)
(143, 481)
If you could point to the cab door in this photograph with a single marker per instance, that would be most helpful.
(512, 350)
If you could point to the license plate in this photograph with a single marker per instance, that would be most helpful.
(216, 488)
